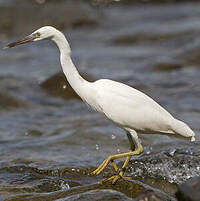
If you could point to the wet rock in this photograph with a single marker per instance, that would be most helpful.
(57, 85)
(137, 190)
(123, 191)
(97, 195)
(189, 190)
(63, 185)
(103, 2)
(149, 196)
(26, 179)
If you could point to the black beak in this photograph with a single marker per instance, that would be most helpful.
(27, 39)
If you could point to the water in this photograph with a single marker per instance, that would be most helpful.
(50, 142)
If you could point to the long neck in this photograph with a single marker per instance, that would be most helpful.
(70, 71)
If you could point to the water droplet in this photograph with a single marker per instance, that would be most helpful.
(172, 152)
(149, 150)
(65, 186)
(97, 147)
(113, 137)
(188, 176)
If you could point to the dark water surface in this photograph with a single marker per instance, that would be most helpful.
(50, 142)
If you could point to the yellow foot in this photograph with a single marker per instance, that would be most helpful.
(104, 164)
(114, 179)
(96, 171)
(113, 157)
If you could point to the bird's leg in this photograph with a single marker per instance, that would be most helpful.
(139, 149)
(114, 178)
(102, 165)
(113, 157)
(123, 169)
(132, 147)
(114, 166)
(121, 173)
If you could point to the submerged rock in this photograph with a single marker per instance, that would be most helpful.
(149, 196)
(189, 190)
(8, 102)
(141, 38)
(57, 85)
(166, 66)
(191, 56)
(97, 195)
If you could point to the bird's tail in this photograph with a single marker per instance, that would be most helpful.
(183, 129)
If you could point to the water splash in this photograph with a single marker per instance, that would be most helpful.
(97, 147)
(64, 185)
(173, 166)
(149, 150)
(113, 137)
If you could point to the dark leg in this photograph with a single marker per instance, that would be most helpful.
(130, 139)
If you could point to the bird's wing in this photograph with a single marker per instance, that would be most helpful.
(131, 108)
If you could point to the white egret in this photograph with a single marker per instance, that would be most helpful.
(125, 106)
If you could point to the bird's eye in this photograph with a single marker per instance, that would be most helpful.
(37, 34)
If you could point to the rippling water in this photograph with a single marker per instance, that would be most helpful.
(154, 48)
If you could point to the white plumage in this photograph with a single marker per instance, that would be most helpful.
(132, 109)
(125, 106)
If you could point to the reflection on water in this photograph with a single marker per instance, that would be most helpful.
(153, 48)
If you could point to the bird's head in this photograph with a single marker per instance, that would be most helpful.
(46, 32)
